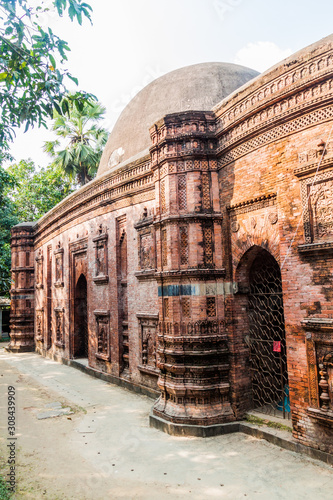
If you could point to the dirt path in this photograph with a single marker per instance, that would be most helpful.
(41, 443)
(105, 449)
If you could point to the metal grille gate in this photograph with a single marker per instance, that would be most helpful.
(267, 338)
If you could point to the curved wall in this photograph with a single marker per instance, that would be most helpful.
(167, 243)
(275, 162)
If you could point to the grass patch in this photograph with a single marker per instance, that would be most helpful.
(261, 421)
(77, 409)
(4, 492)
(74, 408)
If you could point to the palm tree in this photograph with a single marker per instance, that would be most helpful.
(85, 139)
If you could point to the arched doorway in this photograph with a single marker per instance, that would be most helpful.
(266, 337)
(80, 319)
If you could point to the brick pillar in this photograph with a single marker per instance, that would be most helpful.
(192, 343)
(22, 291)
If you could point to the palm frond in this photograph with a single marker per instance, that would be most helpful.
(84, 140)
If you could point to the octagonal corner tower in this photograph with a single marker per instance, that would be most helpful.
(197, 87)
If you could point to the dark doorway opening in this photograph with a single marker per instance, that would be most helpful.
(80, 319)
(266, 338)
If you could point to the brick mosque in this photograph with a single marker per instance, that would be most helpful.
(197, 265)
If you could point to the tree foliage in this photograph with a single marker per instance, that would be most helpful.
(84, 140)
(8, 219)
(36, 191)
(33, 77)
(26, 194)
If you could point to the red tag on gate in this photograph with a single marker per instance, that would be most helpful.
(276, 346)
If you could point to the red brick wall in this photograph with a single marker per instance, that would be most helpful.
(218, 189)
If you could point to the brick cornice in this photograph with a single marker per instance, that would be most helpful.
(271, 117)
(313, 167)
(323, 246)
(277, 131)
(254, 203)
(324, 324)
(276, 84)
(190, 273)
(187, 217)
(260, 112)
(99, 192)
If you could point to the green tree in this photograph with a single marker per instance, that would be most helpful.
(36, 191)
(84, 140)
(32, 72)
(26, 194)
(8, 218)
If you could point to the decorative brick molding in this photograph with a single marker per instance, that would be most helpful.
(278, 131)
(306, 82)
(22, 291)
(39, 328)
(39, 269)
(102, 191)
(101, 257)
(263, 201)
(319, 157)
(319, 347)
(148, 324)
(287, 107)
(254, 223)
(200, 350)
(178, 139)
(59, 266)
(326, 246)
(317, 193)
(146, 242)
(78, 246)
(59, 327)
(102, 319)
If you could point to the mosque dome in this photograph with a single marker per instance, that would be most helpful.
(193, 88)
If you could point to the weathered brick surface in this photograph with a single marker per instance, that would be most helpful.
(22, 292)
(167, 245)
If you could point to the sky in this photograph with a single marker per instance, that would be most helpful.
(132, 42)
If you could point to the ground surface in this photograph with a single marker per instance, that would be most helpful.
(106, 450)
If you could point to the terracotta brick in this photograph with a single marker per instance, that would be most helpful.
(172, 247)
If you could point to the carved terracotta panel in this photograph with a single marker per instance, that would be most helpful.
(102, 319)
(59, 266)
(101, 257)
(148, 326)
(39, 325)
(146, 251)
(59, 327)
(320, 204)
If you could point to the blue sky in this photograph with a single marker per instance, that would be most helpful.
(133, 42)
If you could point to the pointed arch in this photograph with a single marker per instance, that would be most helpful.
(259, 304)
(81, 344)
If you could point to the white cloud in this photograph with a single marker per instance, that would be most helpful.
(261, 55)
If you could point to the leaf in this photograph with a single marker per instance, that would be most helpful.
(79, 105)
(64, 106)
(75, 80)
(86, 6)
(53, 63)
(57, 107)
(71, 12)
(31, 75)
